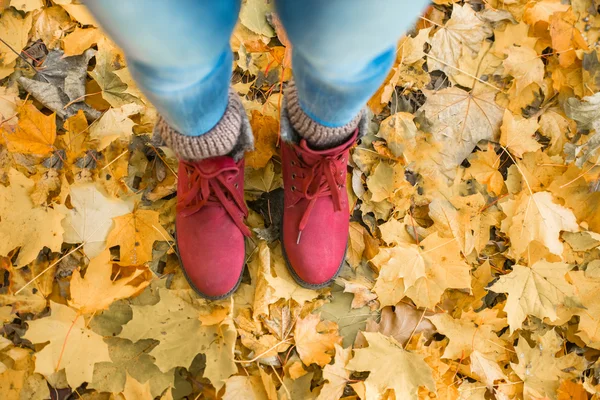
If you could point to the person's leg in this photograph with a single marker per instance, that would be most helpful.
(342, 52)
(178, 53)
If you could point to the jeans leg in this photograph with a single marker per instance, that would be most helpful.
(342, 51)
(178, 53)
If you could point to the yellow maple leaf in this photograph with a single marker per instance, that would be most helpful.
(23, 225)
(35, 132)
(484, 168)
(536, 217)
(97, 290)
(15, 32)
(266, 136)
(135, 233)
(517, 134)
(315, 339)
(73, 347)
(566, 38)
(134, 390)
(535, 290)
(391, 367)
(524, 64)
(80, 40)
(422, 272)
(336, 374)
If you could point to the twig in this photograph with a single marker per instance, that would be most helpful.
(18, 54)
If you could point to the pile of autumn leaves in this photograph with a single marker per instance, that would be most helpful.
(474, 257)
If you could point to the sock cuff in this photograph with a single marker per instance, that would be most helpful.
(219, 141)
(317, 135)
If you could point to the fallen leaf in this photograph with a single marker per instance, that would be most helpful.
(464, 32)
(336, 374)
(68, 335)
(90, 220)
(535, 290)
(80, 40)
(97, 290)
(517, 134)
(265, 130)
(136, 233)
(525, 66)
(391, 367)
(34, 134)
(536, 217)
(461, 119)
(315, 339)
(114, 124)
(15, 32)
(134, 390)
(25, 226)
(180, 317)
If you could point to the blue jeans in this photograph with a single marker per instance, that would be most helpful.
(179, 54)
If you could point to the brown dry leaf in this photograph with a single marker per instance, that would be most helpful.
(536, 217)
(34, 134)
(15, 32)
(402, 322)
(391, 367)
(525, 66)
(517, 134)
(68, 336)
(97, 290)
(80, 40)
(537, 290)
(266, 136)
(136, 233)
(315, 339)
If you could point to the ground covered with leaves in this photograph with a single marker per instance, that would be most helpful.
(473, 269)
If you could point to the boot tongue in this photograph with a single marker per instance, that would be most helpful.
(211, 167)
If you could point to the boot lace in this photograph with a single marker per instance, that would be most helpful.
(213, 189)
(321, 179)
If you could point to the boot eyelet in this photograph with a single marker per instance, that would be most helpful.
(236, 185)
(294, 163)
(293, 188)
(293, 176)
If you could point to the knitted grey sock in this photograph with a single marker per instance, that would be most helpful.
(318, 136)
(219, 141)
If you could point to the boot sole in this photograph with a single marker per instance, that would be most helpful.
(303, 283)
(195, 289)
